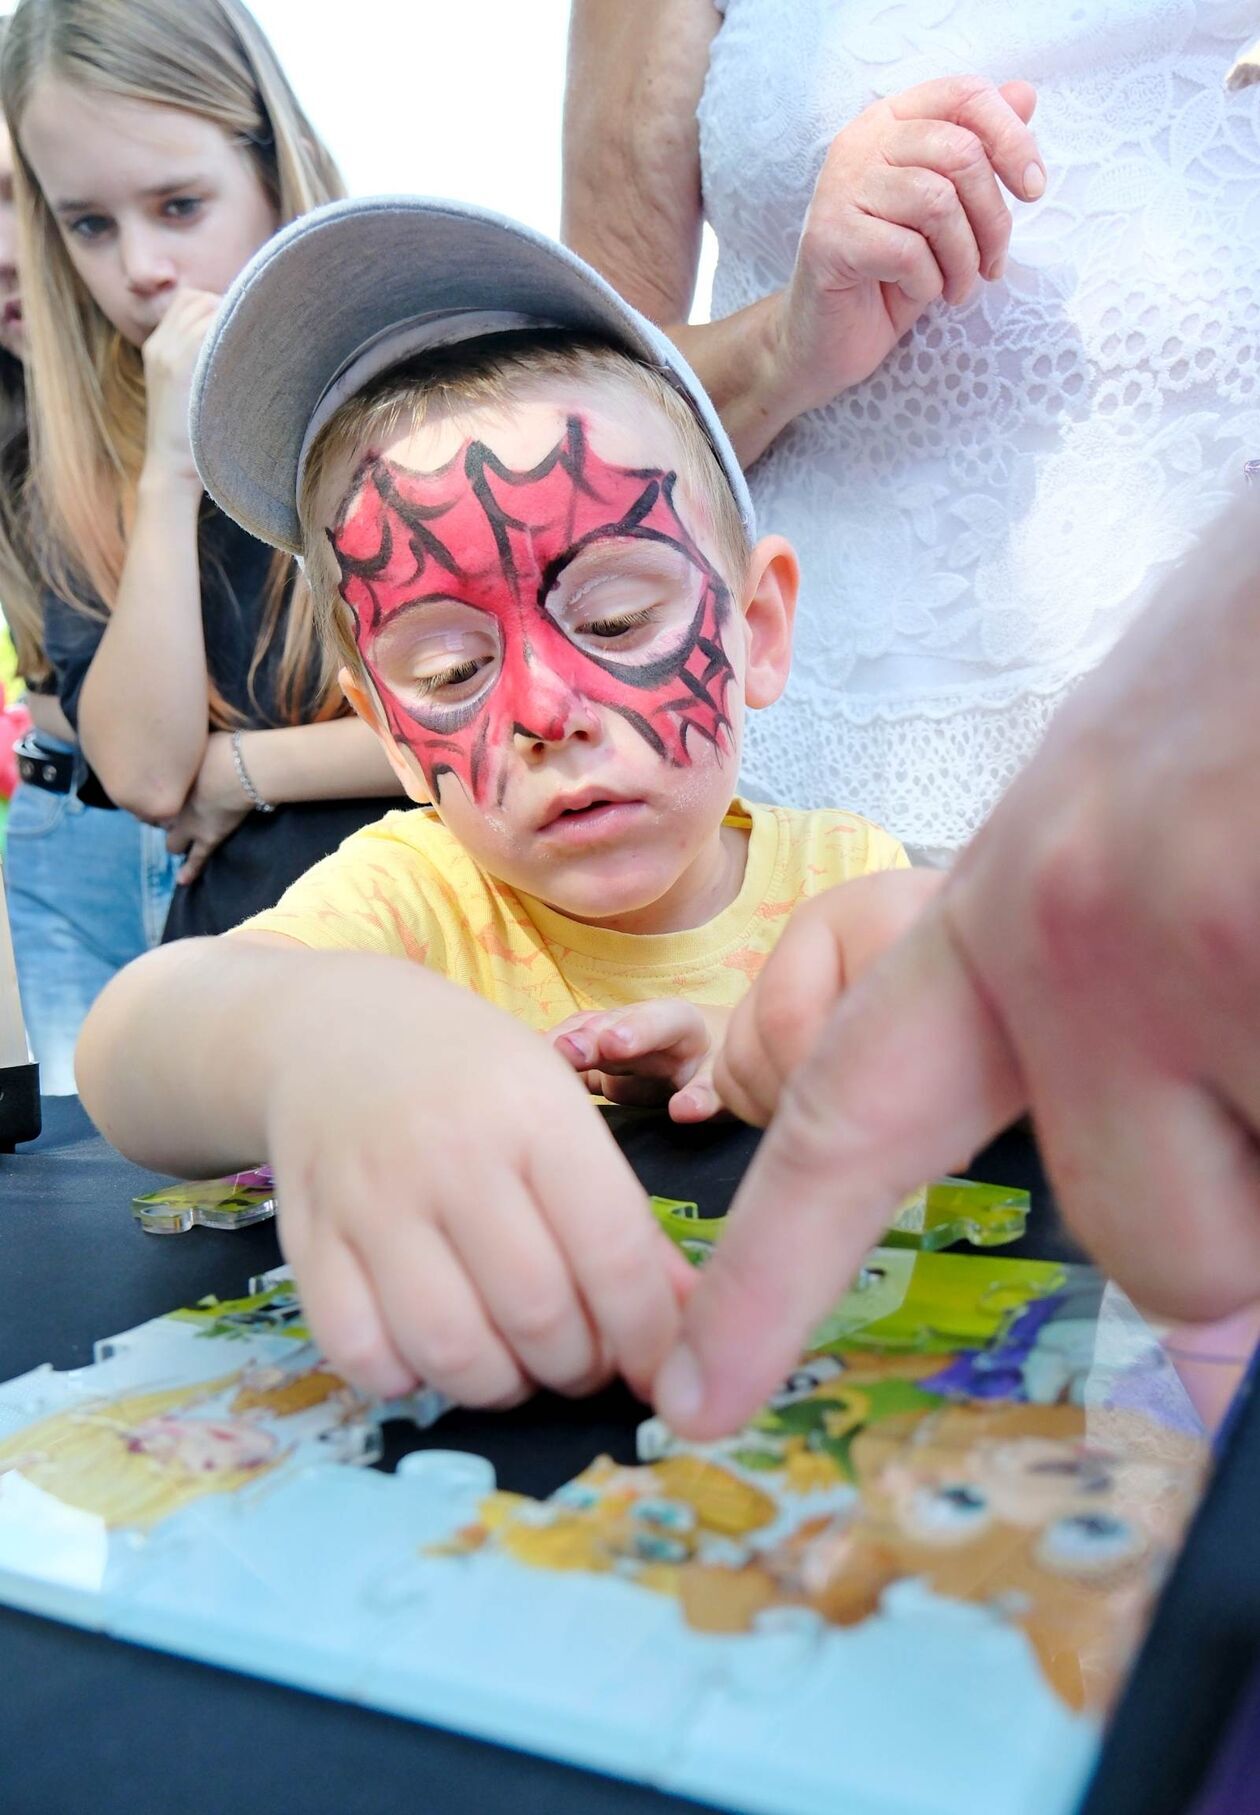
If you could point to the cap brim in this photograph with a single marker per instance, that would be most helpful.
(338, 278)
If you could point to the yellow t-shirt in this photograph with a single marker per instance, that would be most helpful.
(406, 887)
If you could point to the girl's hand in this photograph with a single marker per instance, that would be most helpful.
(454, 1210)
(170, 356)
(213, 810)
(653, 1052)
(906, 208)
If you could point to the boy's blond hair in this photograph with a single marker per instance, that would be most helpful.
(492, 372)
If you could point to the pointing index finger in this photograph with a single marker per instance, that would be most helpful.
(911, 1069)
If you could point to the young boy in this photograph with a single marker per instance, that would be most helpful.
(530, 543)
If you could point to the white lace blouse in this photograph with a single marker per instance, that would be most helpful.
(980, 519)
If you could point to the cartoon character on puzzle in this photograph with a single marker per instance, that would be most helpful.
(138, 1457)
(870, 1469)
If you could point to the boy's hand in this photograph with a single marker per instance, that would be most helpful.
(825, 947)
(453, 1210)
(652, 1052)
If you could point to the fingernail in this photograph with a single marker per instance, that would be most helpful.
(620, 1034)
(577, 1051)
(997, 268)
(1034, 182)
(679, 1388)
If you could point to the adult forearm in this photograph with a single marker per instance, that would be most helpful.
(178, 1057)
(143, 713)
(738, 360)
(339, 760)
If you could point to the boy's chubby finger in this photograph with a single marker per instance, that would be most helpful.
(604, 1225)
(341, 1308)
(525, 1283)
(663, 1039)
(436, 1316)
(910, 1065)
(698, 1100)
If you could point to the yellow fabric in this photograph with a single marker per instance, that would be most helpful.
(407, 888)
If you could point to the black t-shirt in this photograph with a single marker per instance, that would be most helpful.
(252, 868)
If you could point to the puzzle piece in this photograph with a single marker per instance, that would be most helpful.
(219, 1203)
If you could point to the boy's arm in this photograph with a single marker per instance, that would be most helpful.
(453, 1210)
(177, 1056)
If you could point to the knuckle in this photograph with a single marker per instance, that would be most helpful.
(539, 1316)
(1074, 900)
(963, 150)
(1219, 927)
(970, 89)
(935, 196)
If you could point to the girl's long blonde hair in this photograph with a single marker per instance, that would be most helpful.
(19, 586)
(86, 384)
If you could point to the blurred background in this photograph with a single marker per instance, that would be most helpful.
(439, 99)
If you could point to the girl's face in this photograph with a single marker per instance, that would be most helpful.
(12, 336)
(149, 199)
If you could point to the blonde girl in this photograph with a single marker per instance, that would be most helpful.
(158, 146)
(87, 889)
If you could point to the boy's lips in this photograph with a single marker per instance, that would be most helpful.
(590, 812)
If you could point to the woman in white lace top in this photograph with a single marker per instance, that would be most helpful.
(980, 516)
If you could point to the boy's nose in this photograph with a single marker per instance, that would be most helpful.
(552, 713)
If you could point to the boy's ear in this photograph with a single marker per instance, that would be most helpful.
(363, 697)
(770, 589)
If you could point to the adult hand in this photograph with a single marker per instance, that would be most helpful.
(906, 208)
(214, 808)
(1095, 954)
(170, 357)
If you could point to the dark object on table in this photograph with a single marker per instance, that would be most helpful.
(19, 1105)
(1188, 1724)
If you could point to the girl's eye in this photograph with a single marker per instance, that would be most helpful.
(182, 207)
(90, 226)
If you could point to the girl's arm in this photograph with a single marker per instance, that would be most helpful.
(144, 708)
(339, 760)
(906, 210)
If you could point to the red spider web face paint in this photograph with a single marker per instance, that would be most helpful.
(498, 540)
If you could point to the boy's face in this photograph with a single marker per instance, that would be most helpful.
(539, 609)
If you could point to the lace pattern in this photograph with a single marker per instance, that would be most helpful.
(980, 520)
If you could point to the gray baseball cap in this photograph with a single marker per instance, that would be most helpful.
(355, 287)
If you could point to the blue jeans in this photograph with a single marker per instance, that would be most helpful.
(88, 889)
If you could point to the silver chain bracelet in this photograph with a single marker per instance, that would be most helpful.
(250, 792)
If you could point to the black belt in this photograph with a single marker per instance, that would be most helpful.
(54, 770)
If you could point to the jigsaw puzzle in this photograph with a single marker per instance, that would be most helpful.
(913, 1582)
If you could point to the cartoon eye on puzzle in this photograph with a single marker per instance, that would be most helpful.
(951, 1512)
(1089, 1544)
